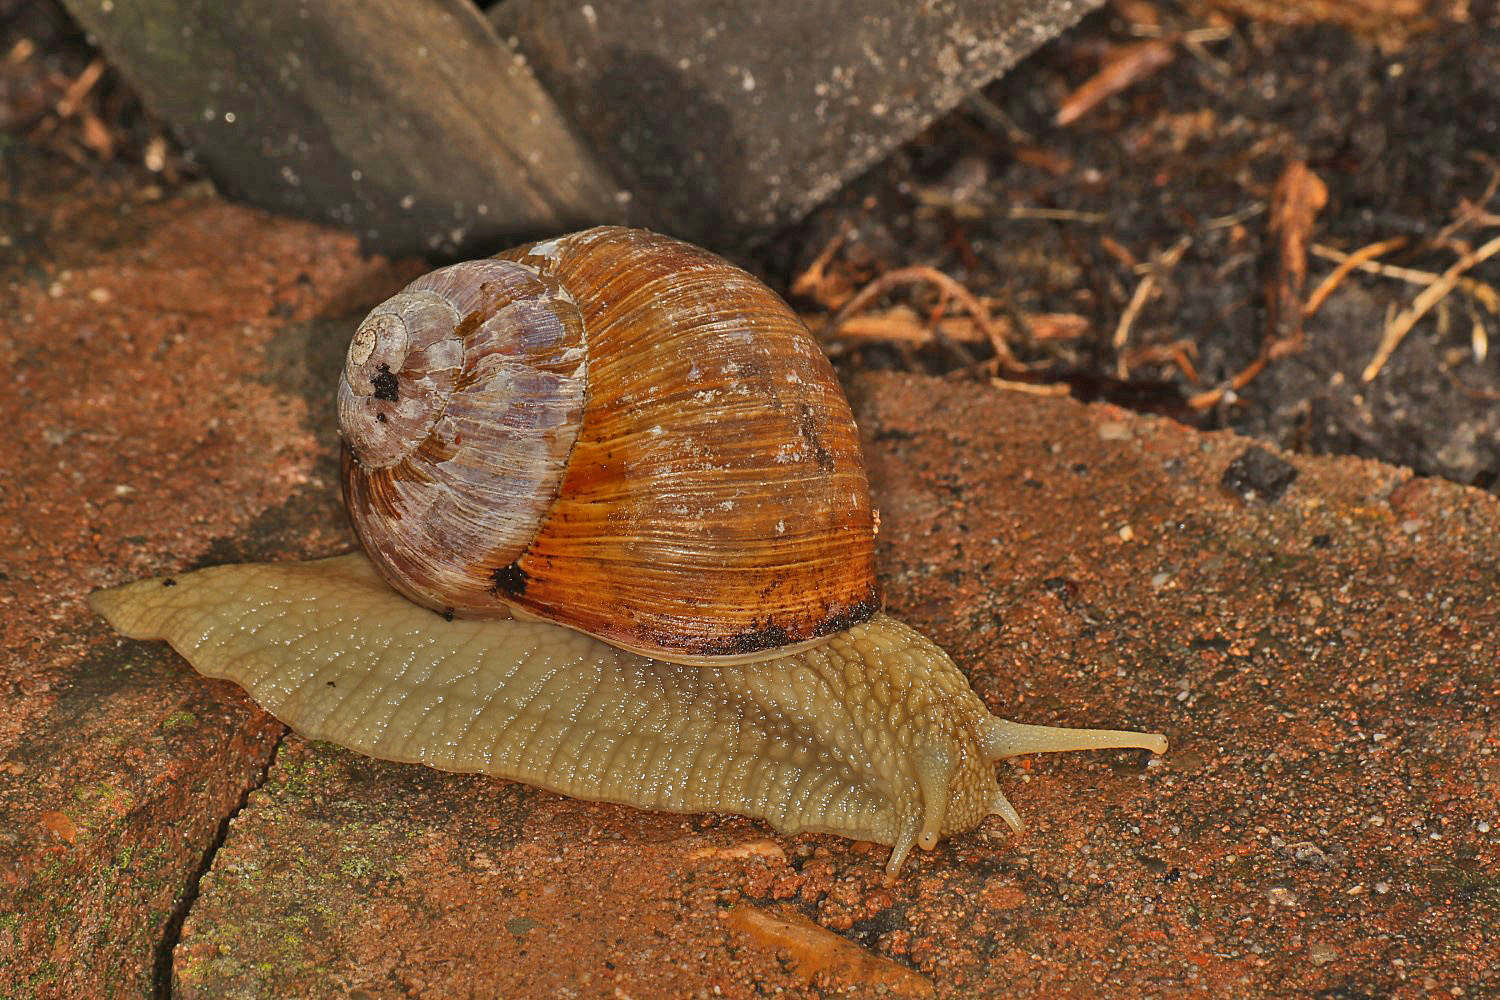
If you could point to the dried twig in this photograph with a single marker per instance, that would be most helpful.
(73, 97)
(1397, 329)
(1159, 266)
(813, 282)
(934, 332)
(1178, 352)
(1055, 214)
(1481, 292)
(1244, 377)
(922, 275)
(1348, 264)
(1474, 213)
(995, 116)
(1410, 275)
(1298, 197)
(1039, 389)
(1250, 211)
(1131, 63)
(902, 323)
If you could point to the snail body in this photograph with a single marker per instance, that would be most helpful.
(624, 478)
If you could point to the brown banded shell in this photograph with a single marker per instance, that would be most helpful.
(692, 488)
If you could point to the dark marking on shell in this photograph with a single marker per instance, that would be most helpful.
(807, 427)
(863, 611)
(469, 324)
(509, 580)
(385, 384)
(752, 640)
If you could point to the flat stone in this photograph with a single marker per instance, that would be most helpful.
(728, 120)
(155, 419)
(1287, 735)
(417, 127)
(406, 121)
(1323, 674)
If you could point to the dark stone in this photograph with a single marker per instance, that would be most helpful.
(1258, 474)
(729, 120)
(406, 121)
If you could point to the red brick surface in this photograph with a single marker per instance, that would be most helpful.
(150, 423)
(1325, 665)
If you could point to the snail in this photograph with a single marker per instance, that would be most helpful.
(618, 543)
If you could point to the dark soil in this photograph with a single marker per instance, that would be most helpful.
(1401, 131)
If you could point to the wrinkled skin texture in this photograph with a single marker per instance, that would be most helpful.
(873, 735)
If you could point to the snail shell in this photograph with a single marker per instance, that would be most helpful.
(615, 431)
(622, 434)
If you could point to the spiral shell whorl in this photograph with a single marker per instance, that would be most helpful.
(398, 377)
(460, 401)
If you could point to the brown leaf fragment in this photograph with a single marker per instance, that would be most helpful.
(814, 950)
(60, 826)
(1296, 200)
(1130, 64)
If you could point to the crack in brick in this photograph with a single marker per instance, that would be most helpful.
(172, 933)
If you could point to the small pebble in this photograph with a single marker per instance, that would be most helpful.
(1321, 954)
(1258, 475)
